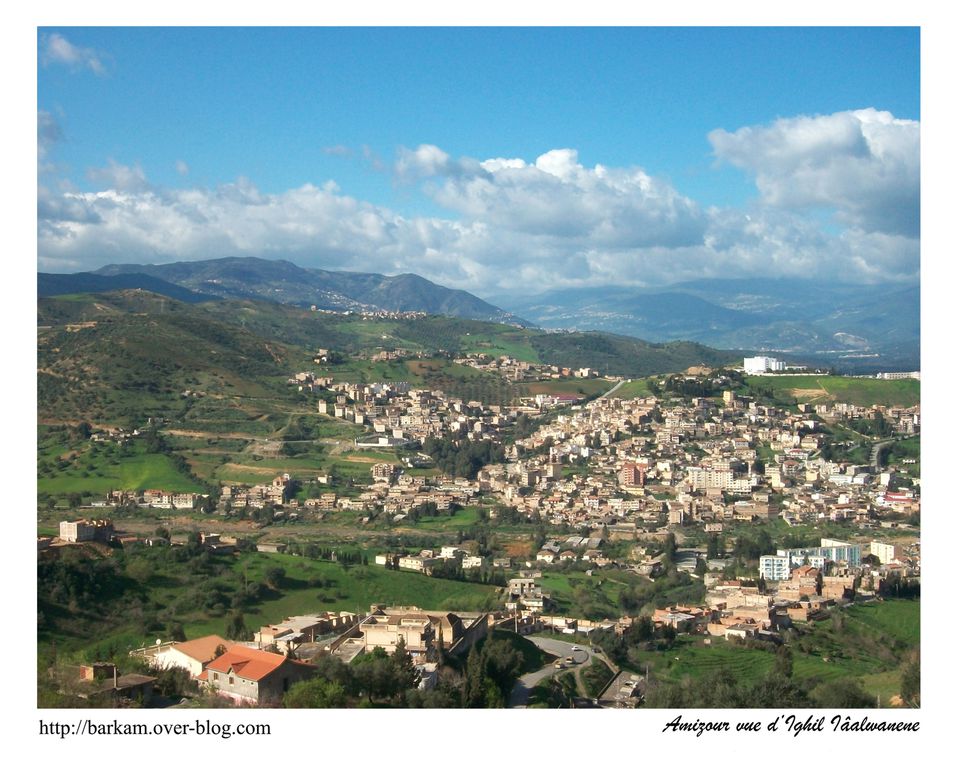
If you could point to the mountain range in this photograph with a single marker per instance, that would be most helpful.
(844, 325)
(848, 326)
(279, 281)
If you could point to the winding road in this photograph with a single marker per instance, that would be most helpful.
(559, 649)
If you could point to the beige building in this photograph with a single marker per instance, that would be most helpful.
(83, 530)
(420, 630)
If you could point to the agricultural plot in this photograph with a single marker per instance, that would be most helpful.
(852, 390)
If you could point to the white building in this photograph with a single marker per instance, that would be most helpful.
(756, 365)
(775, 568)
(887, 553)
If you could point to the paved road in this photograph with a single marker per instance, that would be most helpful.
(559, 649)
(875, 452)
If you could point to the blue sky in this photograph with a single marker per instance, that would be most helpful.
(668, 152)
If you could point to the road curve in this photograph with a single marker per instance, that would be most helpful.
(559, 649)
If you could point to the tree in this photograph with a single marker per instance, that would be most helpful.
(783, 662)
(236, 627)
(670, 548)
(274, 577)
(909, 681)
(317, 693)
(406, 676)
(473, 690)
(375, 675)
(843, 693)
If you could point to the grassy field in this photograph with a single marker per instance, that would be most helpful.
(571, 589)
(346, 589)
(851, 390)
(633, 389)
(506, 341)
(69, 466)
(463, 519)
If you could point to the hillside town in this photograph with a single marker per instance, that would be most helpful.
(676, 478)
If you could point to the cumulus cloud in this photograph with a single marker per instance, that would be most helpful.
(56, 49)
(516, 224)
(558, 197)
(423, 162)
(862, 164)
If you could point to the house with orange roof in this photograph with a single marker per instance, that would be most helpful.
(251, 676)
(191, 655)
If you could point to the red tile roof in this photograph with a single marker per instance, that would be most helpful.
(248, 663)
(202, 649)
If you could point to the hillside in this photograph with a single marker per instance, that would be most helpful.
(124, 356)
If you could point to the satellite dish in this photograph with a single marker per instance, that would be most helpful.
(159, 641)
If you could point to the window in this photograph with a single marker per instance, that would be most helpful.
(232, 680)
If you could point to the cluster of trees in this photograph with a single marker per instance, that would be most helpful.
(430, 510)
(462, 458)
(642, 635)
(877, 427)
(78, 580)
(378, 679)
(749, 547)
(692, 387)
(347, 557)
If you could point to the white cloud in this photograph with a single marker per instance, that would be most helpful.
(181, 167)
(864, 165)
(119, 177)
(56, 49)
(423, 162)
(517, 225)
(556, 196)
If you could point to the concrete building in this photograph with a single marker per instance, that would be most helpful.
(83, 530)
(249, 676)
(756, 365)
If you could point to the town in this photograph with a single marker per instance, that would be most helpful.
(665, 486)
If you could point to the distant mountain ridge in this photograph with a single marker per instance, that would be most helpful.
(863, 326)
(280, 281)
